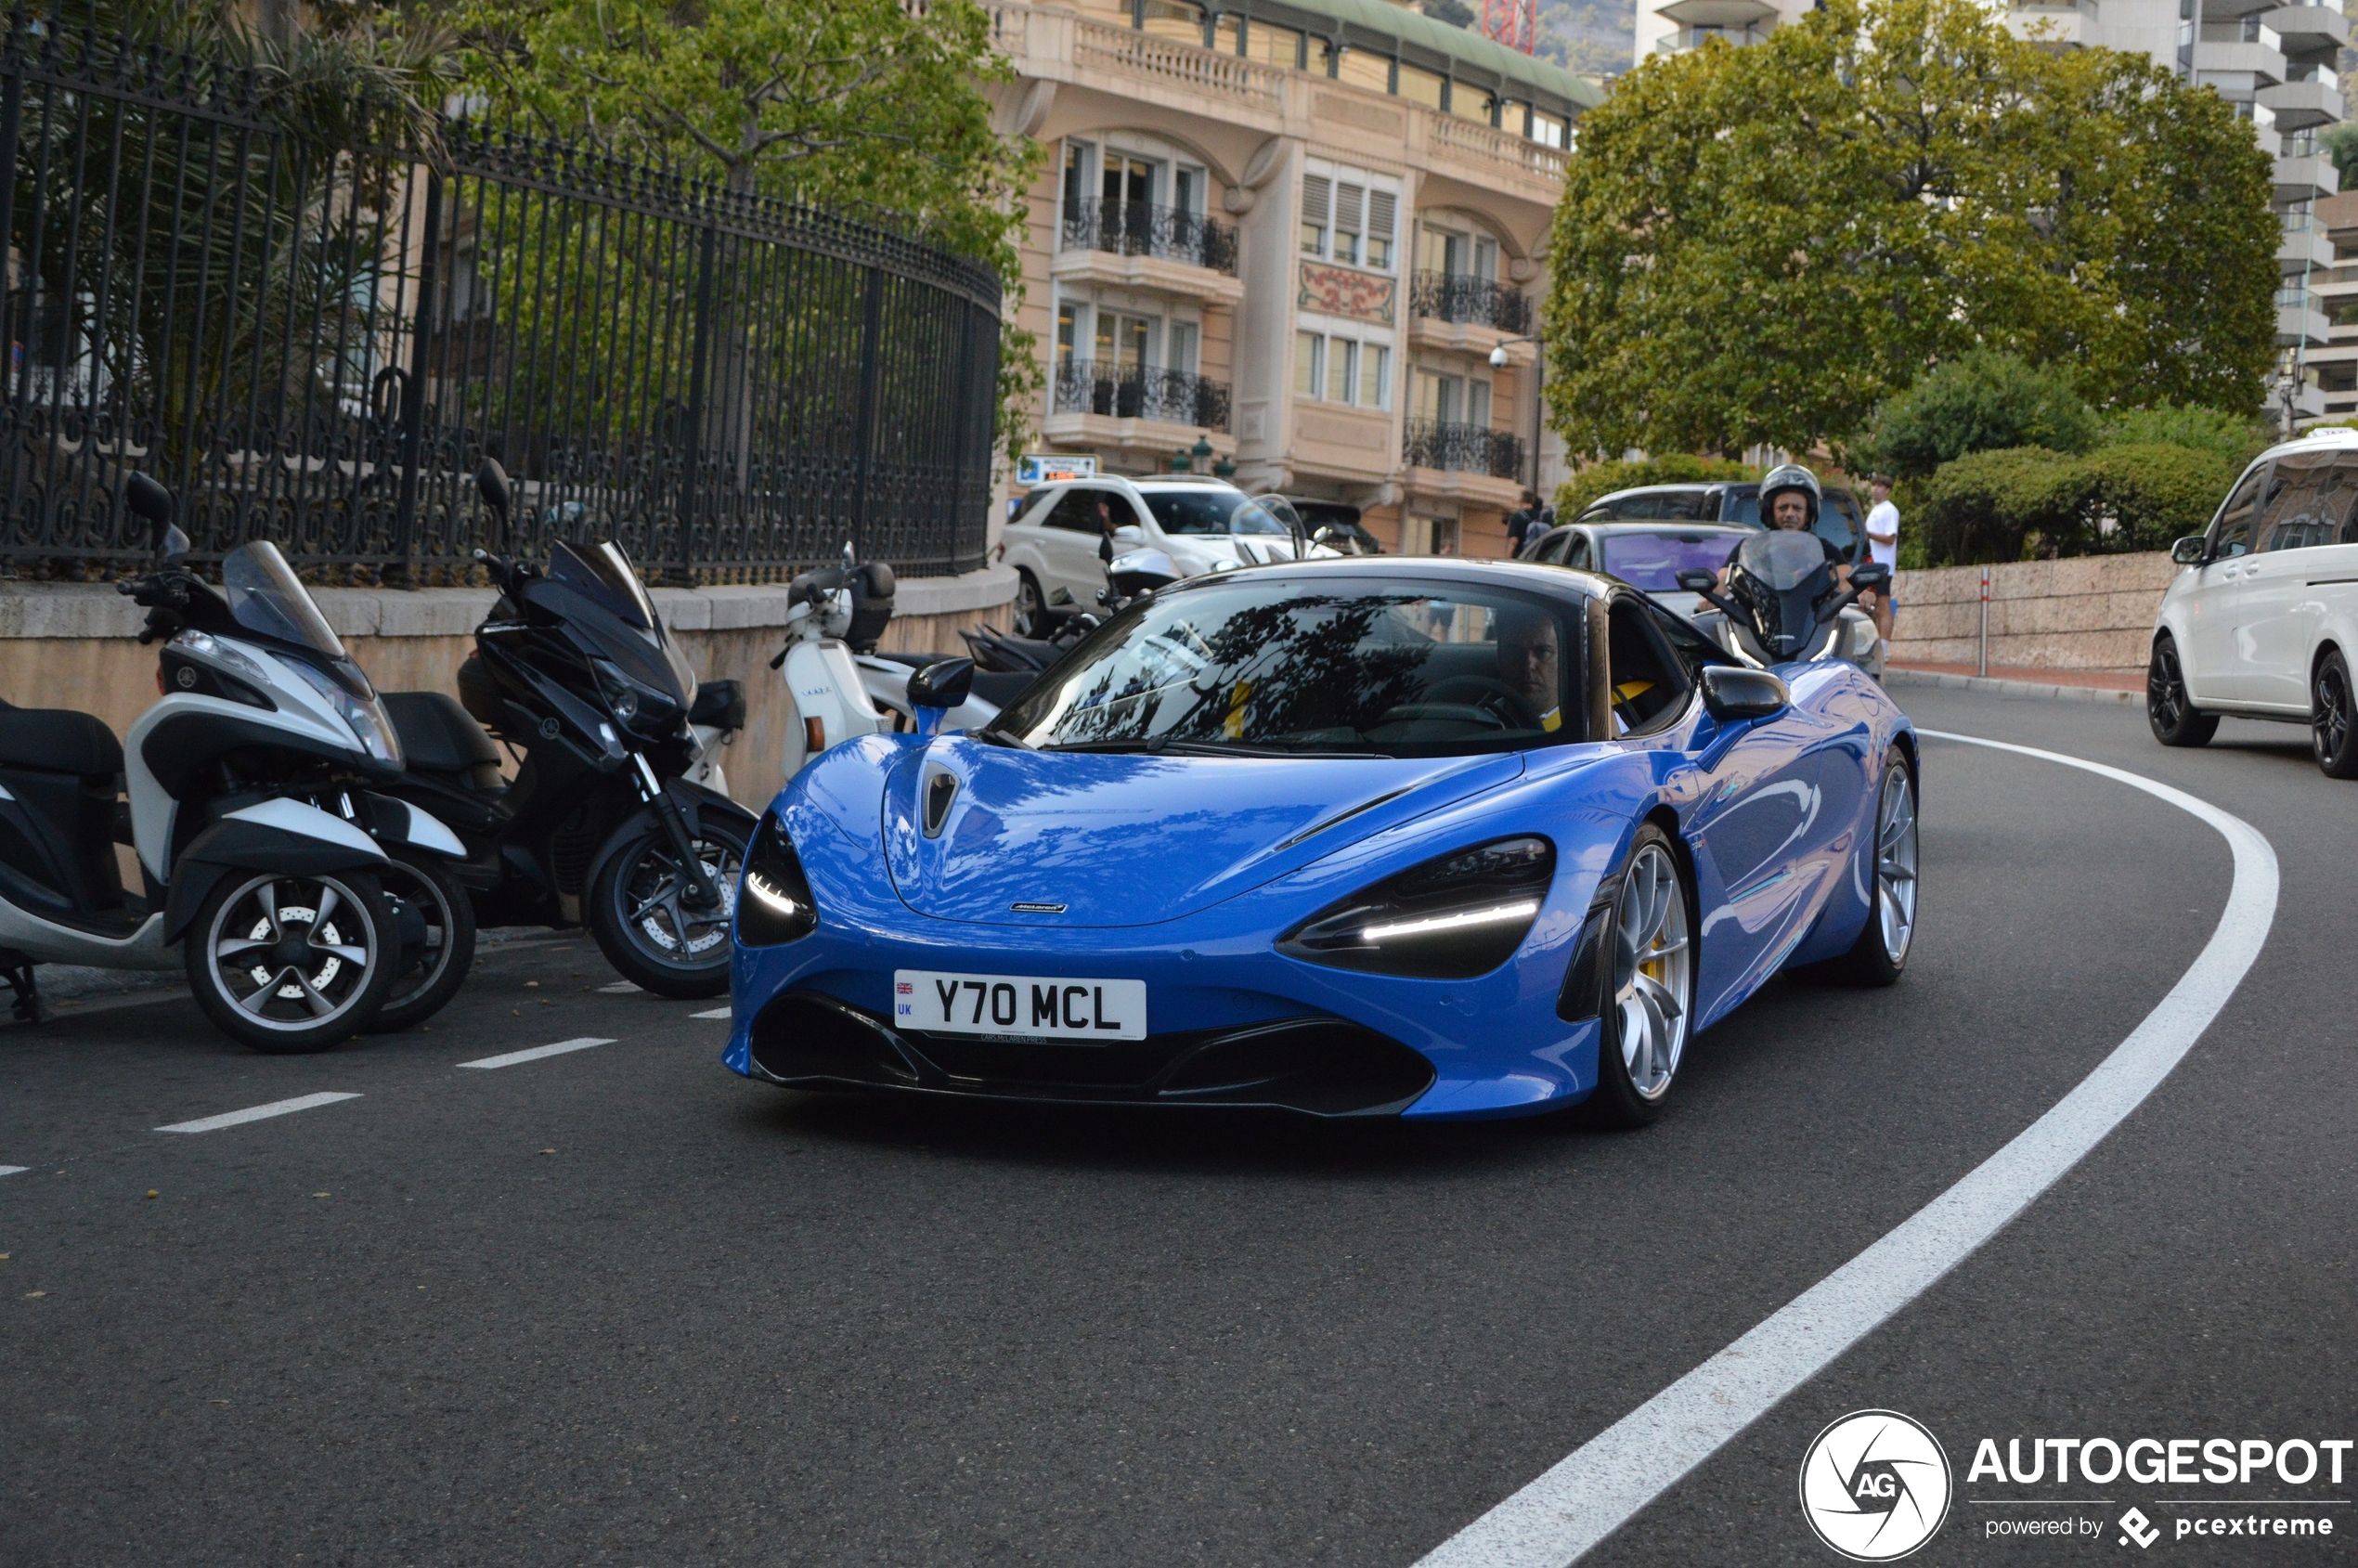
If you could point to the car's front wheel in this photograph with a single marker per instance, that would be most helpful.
(1650, 1001)
(1881, 952)
(2332, 735)
(2174, 719)
(1032, 610)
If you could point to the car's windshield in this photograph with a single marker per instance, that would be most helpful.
(1653, 560)
(603, 572)
(266, 597)
(1211, 508)
(1375, 666)
(1783, 559)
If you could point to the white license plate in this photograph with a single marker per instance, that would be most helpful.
(1019, 1006)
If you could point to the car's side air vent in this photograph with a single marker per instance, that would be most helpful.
(939, 791)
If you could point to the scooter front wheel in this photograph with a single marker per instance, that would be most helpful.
(435, 922)
(640, 910)
(290, 964)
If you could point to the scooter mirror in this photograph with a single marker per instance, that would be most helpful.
(1869, 574)
(492, 482)
(150, 501)
(1698, 580)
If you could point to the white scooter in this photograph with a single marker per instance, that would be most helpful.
(263, 852)
(834, 610)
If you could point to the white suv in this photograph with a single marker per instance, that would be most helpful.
(1203, 525)
(2263, 620)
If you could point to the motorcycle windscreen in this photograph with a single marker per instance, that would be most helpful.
(267, 599)
(1783, 560)
(603, 575)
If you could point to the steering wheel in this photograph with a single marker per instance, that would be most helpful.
(1494, 698)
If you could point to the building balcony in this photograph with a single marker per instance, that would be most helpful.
(1141, 228)
(2305, 178)
(2305, 30)
(1463, 300)
(2301, 326)
(1463, 449)
(2303, 251)
(1177, 398)
(2054, 26)
(2298, 106)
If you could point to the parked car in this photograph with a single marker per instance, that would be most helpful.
(1333, 524)
(2261, 621)
(1203, 525)
(1841, 520)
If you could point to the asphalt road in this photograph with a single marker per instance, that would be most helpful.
(616, 1305)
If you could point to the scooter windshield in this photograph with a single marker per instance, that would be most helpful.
(604, 574)
(1783, 560)
(267, 599)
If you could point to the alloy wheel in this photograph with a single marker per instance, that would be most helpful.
(1650, 971)
(2329, 721)
(2165, 688)
(292, 953)
(1896, 864)
(655, 902)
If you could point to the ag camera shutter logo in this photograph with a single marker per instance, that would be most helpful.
(1875, 1486)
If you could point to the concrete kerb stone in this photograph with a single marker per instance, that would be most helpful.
(1990, 686)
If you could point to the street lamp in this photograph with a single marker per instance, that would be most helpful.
(1499, 358)
(1201, 451)
(1498, 361)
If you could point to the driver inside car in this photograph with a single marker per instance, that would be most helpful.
(1530, 657)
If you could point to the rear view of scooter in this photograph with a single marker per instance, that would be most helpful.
(264, 850)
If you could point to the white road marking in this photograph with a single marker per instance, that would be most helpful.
(1596, 1489)
(619, 988)
(14, 1169)
(256, 1113)
(559, 1049)
(714, 1013)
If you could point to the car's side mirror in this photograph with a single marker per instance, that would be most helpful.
(491, 483)
(943, 684)
(1869, 574)
(1129, 534)
(1732, 692)
(1698, 580)
(2192, 551)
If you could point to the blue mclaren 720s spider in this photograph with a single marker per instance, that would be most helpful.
(1381, 836)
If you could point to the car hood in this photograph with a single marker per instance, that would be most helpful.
(1132, 840)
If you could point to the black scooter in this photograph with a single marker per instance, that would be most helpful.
(1783, 604)
(575, 671)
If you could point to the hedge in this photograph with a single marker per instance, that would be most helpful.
(2022, 503)
(1674, 468)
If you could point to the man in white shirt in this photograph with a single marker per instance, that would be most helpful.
(1883, 545)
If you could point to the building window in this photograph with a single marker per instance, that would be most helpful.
(1550, 130)
(1421, 87)
(1317, 195)
(1383, 221)
(1271, 45)
(1228, 34)
(1309, 365)
(1375, 376)
(1350, 202)
(1340, 370)
(1364, 67)
(1469, 102)
(1068, 333)
(1124, 341)
(1172, 19)
(1346, 220)
(1184, 354)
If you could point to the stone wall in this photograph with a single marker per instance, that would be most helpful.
(76, 645)
(2093, 613)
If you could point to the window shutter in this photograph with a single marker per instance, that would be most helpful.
(1347, 202)
(1314, 199)
(1383, 214)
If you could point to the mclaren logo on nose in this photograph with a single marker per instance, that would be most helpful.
(1037, 909)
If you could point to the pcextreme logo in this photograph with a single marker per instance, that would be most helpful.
(1875, 1486)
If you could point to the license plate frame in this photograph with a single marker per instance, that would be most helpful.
(1011, 1007)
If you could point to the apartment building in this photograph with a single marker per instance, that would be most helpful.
(1678, 25)
(1294, 232)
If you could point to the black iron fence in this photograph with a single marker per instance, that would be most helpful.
(1456, 296)
(1467, 448)
(1140, 228)
(319, 346)
(1141, 392)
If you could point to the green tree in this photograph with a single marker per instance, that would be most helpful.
(866, 107)
(1978, 403)
(1763, 244)
(2236, 439)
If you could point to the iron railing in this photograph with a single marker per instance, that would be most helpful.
(1135, 391)
(1459, 296)
(319, 345)
(1466, 448)
(1141, 228)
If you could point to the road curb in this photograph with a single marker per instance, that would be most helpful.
(2022, 689)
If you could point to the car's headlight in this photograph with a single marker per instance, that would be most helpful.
(775, 905)
(367, 720)
(634, 707)
(1447, 919)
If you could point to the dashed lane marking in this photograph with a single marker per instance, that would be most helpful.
(619, 988)
(14, 1169)
(714, 1013)
(513, 1057)
(256, 1113)
(1599, 1487)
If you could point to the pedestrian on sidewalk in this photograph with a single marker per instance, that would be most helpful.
(1883, 547)
(1523, 523)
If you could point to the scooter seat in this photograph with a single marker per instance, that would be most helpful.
(57, 740)
(438, 737)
